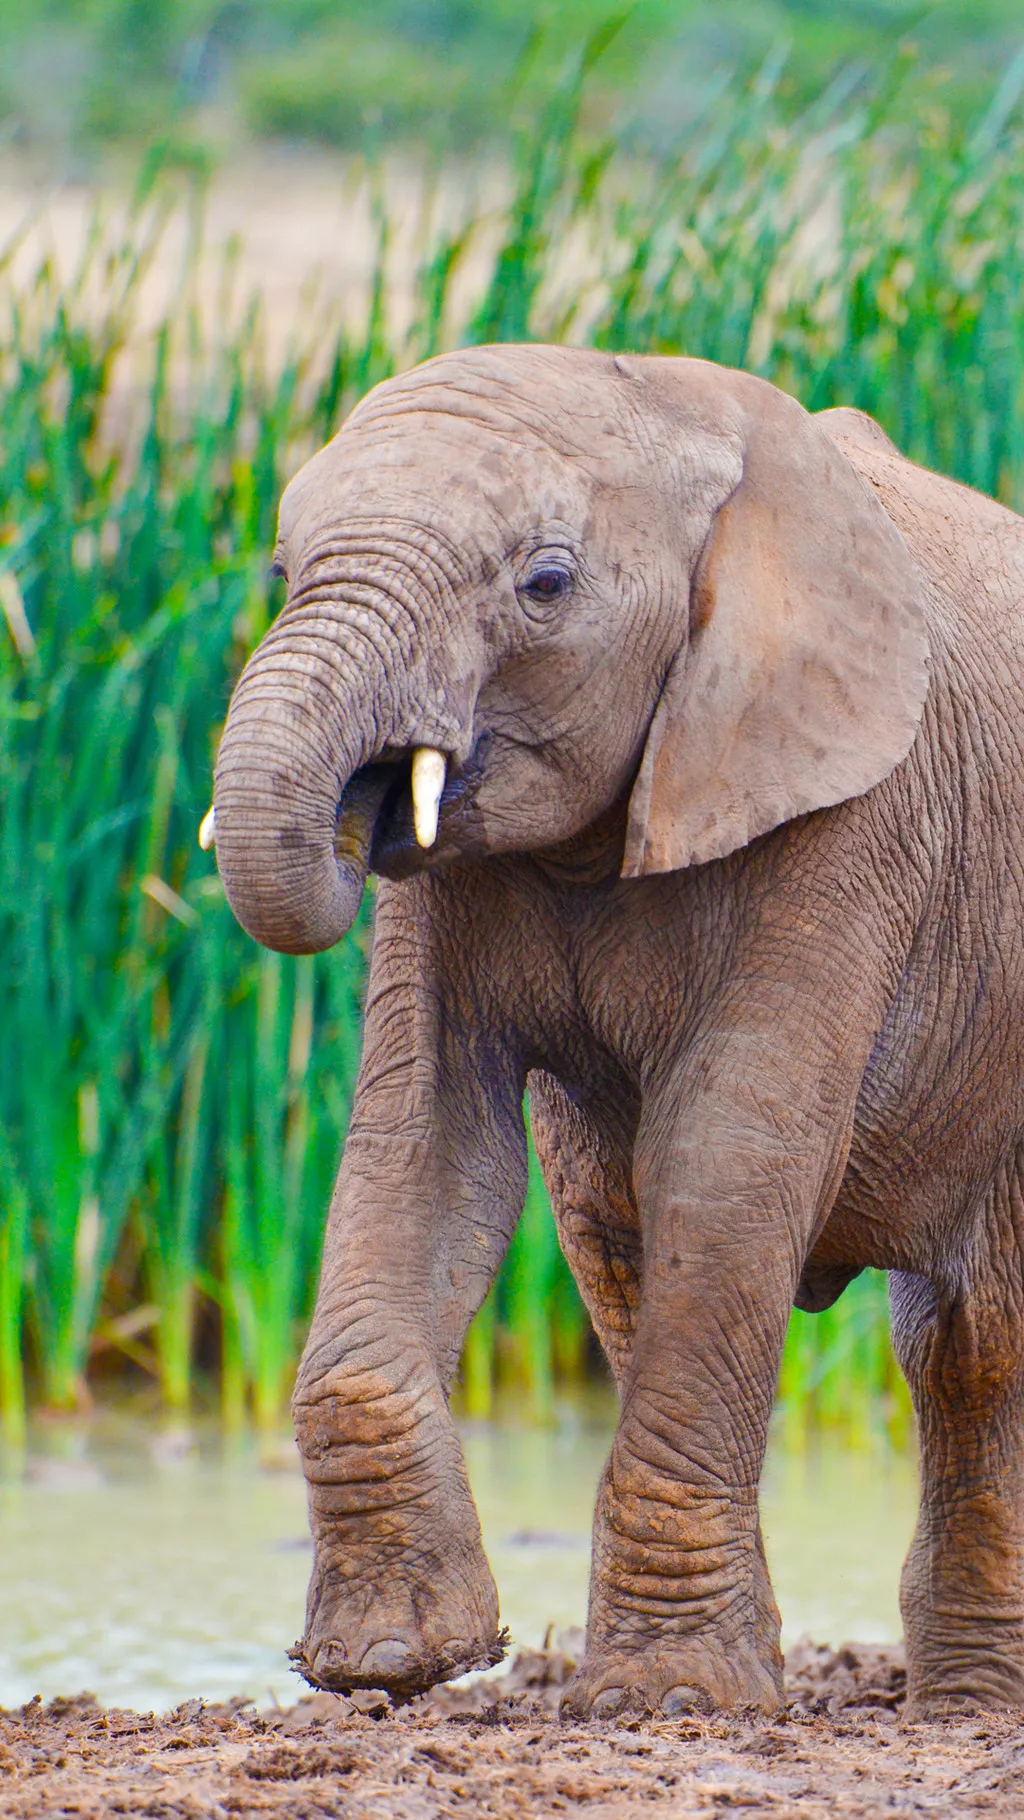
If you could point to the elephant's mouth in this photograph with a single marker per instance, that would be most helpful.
(375, 829)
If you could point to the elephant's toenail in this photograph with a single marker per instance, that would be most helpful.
(331, 1659)
(609, 1702)
(684, 1700)
(390, 1660)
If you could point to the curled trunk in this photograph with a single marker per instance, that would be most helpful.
(295, 795)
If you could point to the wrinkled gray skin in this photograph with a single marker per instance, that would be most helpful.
(729, 871)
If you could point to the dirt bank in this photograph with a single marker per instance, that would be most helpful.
(840, 1748)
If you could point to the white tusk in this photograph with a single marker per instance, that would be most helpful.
(208, 830)
(428, 773)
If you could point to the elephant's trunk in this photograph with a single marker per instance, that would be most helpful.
(294, 825)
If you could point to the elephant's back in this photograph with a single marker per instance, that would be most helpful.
(968, 547)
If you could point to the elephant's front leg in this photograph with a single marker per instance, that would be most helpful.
(431, 1185)
(682, 1613)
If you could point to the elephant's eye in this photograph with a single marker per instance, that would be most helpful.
(548, 585)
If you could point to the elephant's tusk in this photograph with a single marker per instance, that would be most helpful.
(208, 830)
(428, 773)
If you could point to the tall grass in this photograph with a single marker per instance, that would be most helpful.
(172, 1100)
(159, 1096)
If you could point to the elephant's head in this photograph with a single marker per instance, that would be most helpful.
(526, 583)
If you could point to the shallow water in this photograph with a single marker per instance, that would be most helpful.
(149, 1571)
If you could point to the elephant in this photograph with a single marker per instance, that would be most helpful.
(683, 729)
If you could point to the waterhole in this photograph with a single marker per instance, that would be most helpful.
(150, 1567)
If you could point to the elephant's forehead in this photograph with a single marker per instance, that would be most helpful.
(562, 397)
(434, 463)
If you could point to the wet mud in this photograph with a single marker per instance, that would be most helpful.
(497, 1748)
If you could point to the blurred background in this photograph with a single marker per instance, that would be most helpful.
(219, 223)
(81, 77)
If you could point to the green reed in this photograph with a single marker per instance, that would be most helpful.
(172, 1100)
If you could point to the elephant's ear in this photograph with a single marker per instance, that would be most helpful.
(804, 675)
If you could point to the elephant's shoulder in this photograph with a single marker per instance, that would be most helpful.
(874, 455)
(968, 548)
(917, 499)
(845, 425)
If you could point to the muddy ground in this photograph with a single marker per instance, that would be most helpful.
(494, 1749)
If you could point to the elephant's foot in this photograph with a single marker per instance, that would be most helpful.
(401, 1595)
(398, 1623)
(963, 1619)
(962, 1679)
(682, 1615)
(964, 1696)
(672, 1677)
(403, 1667)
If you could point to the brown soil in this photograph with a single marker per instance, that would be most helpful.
(497, 1748)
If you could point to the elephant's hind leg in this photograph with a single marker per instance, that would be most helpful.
(586, 1159)
(962, 1591)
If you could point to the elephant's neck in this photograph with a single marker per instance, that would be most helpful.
(591, 857)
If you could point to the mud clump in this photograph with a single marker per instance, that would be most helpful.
(496, 1748)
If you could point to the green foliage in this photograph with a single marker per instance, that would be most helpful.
(164, 1088)
(172, 1101)
(77, 73)
(839, 1372)
(340, 89)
